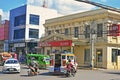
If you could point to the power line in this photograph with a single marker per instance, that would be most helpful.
(100, 5)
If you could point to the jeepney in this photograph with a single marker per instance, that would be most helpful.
(43, 60)
(58, 62)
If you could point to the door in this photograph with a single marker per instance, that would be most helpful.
(99, 57)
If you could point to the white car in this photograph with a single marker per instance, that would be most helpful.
(11, 65)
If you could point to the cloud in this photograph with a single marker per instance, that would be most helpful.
(1, 11)
(64, 6)
(5, 16)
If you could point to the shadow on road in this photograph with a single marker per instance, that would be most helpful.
(117, 73)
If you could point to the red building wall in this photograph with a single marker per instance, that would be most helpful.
(4, 30)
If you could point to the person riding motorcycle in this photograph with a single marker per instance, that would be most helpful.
(33, 65)
(70, 65)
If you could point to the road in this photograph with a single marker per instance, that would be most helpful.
(81, 75)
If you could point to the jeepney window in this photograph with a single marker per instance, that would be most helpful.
(70, 57)
(33, 57)
(63, 57)
(46, 59)
(67, 57)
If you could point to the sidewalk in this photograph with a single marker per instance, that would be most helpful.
(88, 68)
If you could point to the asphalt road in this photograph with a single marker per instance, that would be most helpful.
(81, 75)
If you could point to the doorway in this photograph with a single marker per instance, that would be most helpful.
(99, 58)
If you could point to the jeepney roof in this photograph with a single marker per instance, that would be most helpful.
(37, 55)
(68, 54)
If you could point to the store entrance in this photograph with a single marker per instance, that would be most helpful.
(99, 57)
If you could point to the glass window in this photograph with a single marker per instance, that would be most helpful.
(57, 31)
(19, 34)
(34, 19)
(20, 20)
(33, 33)
(49, 32)
(12, 62)
(87, 55)
(76, 32)
(99, 30)
(87, 31)
(114, 55)
(66, 31)
(63, 57)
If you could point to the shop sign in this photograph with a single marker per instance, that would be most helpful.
(19, 45)
(56, 43)
(114, 30)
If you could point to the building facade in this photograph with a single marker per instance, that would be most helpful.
(4, 31)
(0, 16)
(94, 34)
(26, 27)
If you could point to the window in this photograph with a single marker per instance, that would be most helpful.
(33, 33)
(49, 32)
(86, 55)
(57, 31)
(114, 55)
(19, 34)
(87, 31)
(76, 32)
(12, 62)
(99, 30)
(66, 31)
(34, 19)
(48, 52)
(20, 20)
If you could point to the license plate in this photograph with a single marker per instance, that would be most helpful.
(11, 69)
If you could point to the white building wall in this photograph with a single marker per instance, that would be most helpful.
(44, 14)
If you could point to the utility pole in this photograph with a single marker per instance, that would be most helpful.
(92, 37)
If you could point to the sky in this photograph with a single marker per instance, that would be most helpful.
(64, 7)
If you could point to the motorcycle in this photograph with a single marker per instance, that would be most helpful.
(70, 72)
(32, 71)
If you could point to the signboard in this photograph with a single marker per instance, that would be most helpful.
(19, 45)
(114, 30)
(56, 43)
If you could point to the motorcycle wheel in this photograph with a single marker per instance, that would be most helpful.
(73, 72)
(68, 74)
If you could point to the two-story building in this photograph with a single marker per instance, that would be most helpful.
(88, 34)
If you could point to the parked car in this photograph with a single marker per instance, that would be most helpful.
(11, 65)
